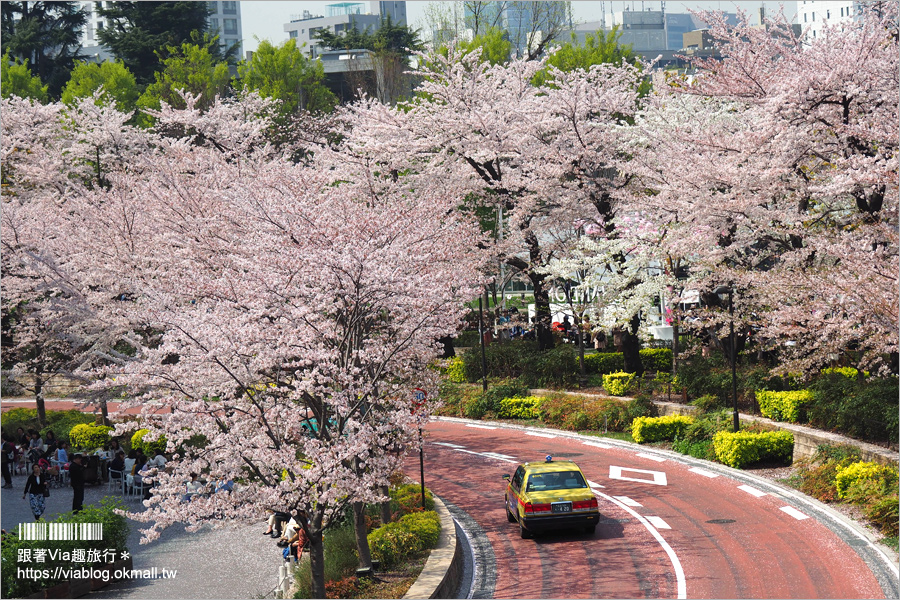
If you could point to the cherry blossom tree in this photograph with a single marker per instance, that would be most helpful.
(774, 171)
(546, 155)
(294, 307)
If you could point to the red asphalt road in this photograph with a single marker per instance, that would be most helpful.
(756, 550)
(113, 407)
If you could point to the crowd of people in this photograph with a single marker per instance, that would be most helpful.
(290, 533)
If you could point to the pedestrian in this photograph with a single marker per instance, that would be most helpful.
(76, 478)
(8, 454)
(36, 489)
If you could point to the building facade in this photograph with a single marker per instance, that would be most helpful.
(224, 19)
(342, 17)
(813, 15)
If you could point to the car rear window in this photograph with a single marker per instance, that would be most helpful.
(560, 480)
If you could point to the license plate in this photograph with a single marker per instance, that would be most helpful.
(561, 507)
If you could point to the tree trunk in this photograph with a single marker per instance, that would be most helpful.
(542, 316)
(104, 410)
(631, 348)
(317, 557)
(674, 348)
(39, 397)
(385, 507)
(362, 540)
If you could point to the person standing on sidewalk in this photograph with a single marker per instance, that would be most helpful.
(76, 476)
(35, 489)
(8, 453)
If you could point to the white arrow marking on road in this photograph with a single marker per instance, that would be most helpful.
(628, 501)
(658, 522)
(651, 456)
(752, 490)
(659, 478)
(794, 512)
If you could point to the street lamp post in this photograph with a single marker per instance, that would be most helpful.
(722, 291)
(481, 337)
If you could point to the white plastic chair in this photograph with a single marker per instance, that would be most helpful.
(116, 478)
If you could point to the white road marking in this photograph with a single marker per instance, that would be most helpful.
(681, 585)
(467, 451)
(594, 484)
(598, 445)
(628, 501)
(479, 426)
(703, 472)
(794, 513)
(658, 522)
(659, 478)
(448, 444)
(502, 457)
(651, 456)
(752, 490)
(543, 435)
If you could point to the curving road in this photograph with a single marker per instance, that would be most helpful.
(669, 527)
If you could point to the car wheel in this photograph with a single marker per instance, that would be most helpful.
(509, 515)
(524, 532)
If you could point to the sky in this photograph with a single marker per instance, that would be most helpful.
(265, 19)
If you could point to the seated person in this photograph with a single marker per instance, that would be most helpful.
(276, 523)
(194, 487)
(62, 455)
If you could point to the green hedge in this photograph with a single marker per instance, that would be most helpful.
(58, 421)
(617, 384)
(407, 499)
(859, 471)
(658, 429)
(784, 406)
(89, 437)
(866, 410)
(456, 370)
(604, 362)
(848, 372)
(656, 359)
(413, 533)
(744, 448)
(528, 407)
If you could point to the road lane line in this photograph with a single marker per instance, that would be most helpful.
(598, 445)
(628, 501)
(681, 585)
(480, 426)
(651, 456)
(502, 457)
(448, 444)
(752, 490)
(794, 513)
(543, 435)
(467, 451)
(594, 484)
(658, 523)
(703, 472)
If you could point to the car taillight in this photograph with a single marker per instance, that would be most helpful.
(528, 508)
(583, 504)
(539, 508)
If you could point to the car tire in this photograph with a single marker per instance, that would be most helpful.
(509, 515)
(524, 532)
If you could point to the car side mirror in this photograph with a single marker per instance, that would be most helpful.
(506, 476)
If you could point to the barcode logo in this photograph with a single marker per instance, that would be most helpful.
(60, 531)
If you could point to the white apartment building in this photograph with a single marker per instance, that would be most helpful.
(225, 19)
(812, 15)
(342, 17)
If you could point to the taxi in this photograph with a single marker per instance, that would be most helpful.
(550, 495)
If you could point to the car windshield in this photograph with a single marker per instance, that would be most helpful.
(561, 480)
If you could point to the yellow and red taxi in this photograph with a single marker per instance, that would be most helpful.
(546, 495)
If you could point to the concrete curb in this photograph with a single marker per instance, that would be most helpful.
(443, 569)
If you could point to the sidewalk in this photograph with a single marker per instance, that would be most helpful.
(232, 562)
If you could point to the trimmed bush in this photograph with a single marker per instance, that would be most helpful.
(505, 388)
(149, 448)
(866, 410)
(656, 359)
(407, 499)
(528, 407)
(744, 448)
(604, 362)
(657, 429)
(456, 370)
(617, 384)
(89, 437)
(857, 472)
(784, 406)
(557, 367)
(848, 372)
(410, 535)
